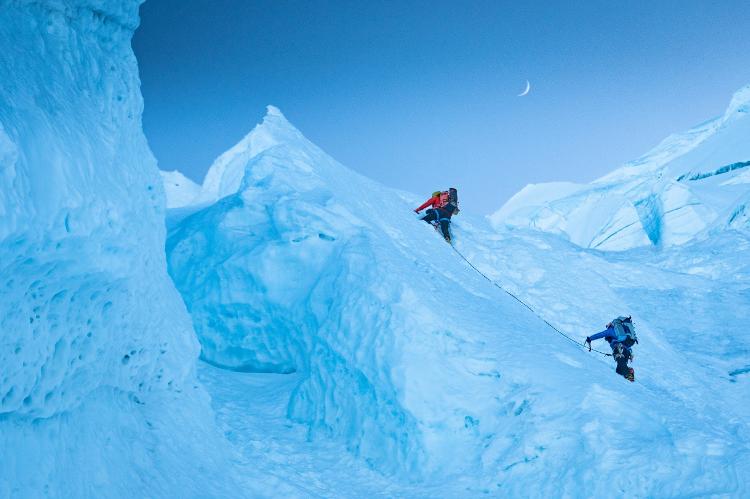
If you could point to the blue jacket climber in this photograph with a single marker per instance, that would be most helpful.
(620, 334)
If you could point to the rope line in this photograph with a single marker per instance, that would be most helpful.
(494, 283)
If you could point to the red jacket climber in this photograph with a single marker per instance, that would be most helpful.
(438, 200)
(444, 205)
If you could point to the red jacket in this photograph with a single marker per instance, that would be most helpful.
(435, 202)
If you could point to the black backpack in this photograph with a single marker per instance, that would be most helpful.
(452, 205)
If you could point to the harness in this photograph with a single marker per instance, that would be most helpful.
(438, 216)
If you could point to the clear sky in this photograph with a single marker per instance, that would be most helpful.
(421, 95)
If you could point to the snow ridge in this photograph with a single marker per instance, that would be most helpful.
(646, 202)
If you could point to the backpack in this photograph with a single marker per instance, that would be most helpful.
(444, 197)
(625, 331)
(453, 200)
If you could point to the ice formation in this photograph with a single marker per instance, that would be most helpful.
(427, 371)
(682, 189)
(348, 350)
(98, 395)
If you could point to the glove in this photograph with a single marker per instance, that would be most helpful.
(416, 211)
(588, 342)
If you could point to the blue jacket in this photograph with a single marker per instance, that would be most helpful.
(609, 335)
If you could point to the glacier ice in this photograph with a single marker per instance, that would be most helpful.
(667, 197)
(427, 371)
(98, 394)
(348, 351)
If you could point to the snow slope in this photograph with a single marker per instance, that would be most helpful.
(395, 346)
(180, 190)
(98, 392)
(689, 185)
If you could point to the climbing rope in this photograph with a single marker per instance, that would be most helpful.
(494, 283)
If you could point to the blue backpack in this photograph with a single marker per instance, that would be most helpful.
(624, 331)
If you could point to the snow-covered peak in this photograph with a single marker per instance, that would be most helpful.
(679, 144)
(274, 111)
(225, 174)
(180, 190)
(740, 102)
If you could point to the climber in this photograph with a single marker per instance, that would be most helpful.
(620, 334)
(444, 206)
(437, 200)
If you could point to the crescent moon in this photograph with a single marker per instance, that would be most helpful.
(528, 89)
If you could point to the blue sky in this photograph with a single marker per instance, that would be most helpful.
(422, 95)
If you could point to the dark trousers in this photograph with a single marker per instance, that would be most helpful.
(438, 215)
(622, 355)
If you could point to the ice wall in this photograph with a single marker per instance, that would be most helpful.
(97, 392)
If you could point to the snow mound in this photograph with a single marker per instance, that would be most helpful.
(98, 394)
(686, 187)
